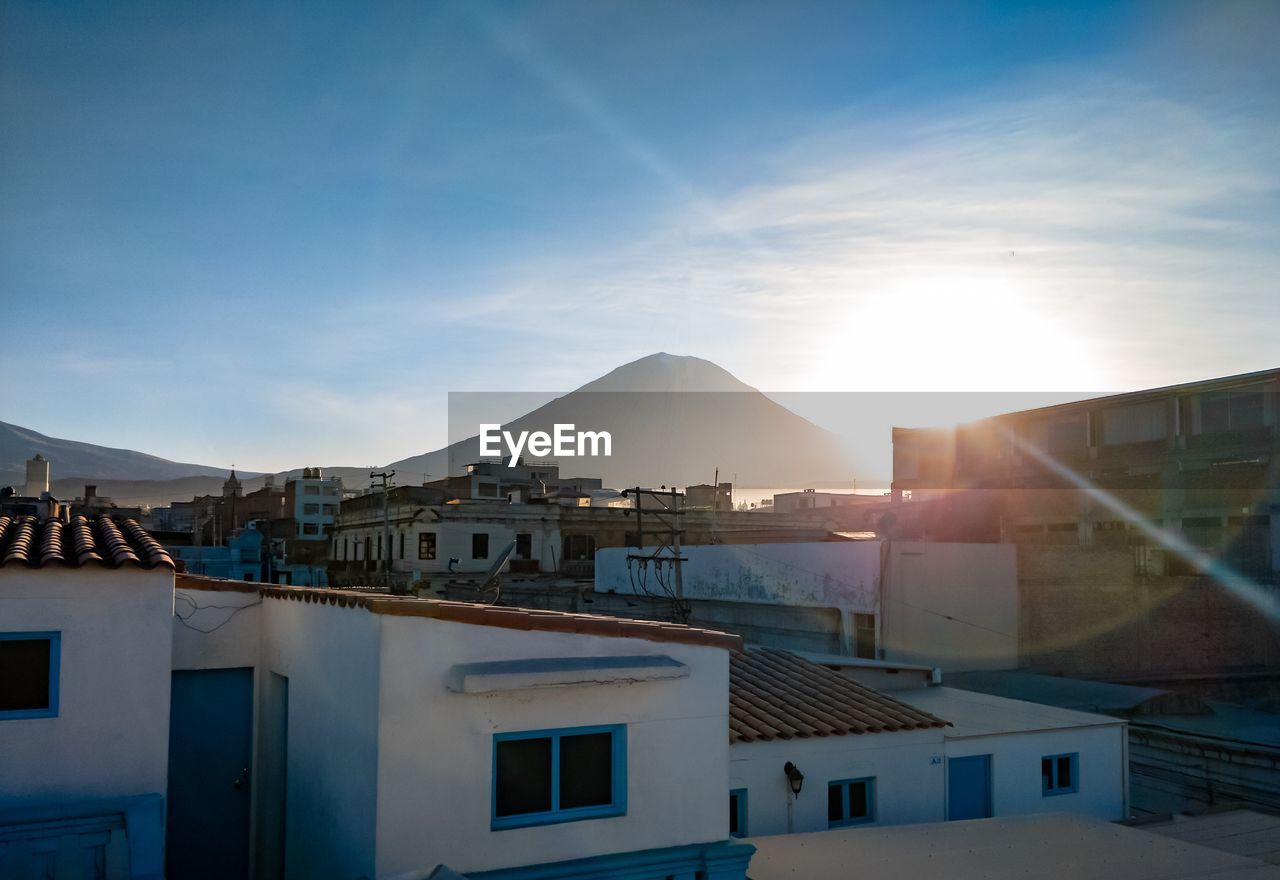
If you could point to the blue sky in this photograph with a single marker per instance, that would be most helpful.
(279, 234)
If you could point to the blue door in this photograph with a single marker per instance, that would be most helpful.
(210, 738)
(969, 787)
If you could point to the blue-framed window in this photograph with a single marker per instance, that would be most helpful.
(738, 812)
(546, 776)
(29, 674)
(851, 801)
(1060, 774)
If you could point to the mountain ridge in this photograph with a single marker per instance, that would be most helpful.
(677, 417)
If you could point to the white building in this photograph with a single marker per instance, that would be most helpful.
(1011, 757)
(86, 628)
(219, 728)
(202, 727)
(312, 500)
(874, 758)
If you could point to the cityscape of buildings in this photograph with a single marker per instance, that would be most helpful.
(1057, 621)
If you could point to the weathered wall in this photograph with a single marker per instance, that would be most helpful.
(842, 574)
(950, 605)
(1086, 612)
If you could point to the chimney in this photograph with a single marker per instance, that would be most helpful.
(90, 492)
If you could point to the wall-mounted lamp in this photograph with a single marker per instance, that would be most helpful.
(794, 777)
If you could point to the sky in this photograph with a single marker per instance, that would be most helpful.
(280, 234)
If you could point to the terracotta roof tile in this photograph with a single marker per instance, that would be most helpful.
(777, 695)
(513, 618)
(24, 540)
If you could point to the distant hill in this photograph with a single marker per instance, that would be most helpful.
(71, 458)
(674, 420)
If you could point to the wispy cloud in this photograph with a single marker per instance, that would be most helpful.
(1097, 222)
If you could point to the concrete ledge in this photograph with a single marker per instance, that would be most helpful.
(511, 675)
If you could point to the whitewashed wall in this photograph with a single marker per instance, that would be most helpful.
(1015, 770)
(331, 657)
(907, 765)
(436, 747)
(841, 574)
(111, 735)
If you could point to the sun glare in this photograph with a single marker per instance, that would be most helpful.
(979, 332)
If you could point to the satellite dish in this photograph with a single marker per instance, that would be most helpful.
(490, 589)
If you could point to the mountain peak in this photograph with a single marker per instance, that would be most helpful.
(663, 371)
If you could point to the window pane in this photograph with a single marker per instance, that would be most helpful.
(835, 803)
(586, 770)
(733, 814)
(857, 800)
(524, 777)
(1046, 773)
(24, 674)
(1064, 772)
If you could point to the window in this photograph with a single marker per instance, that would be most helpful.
(550, 776)
(331, 490)
(579, 547)
(330, 509)
(1058, 774)
(864, 636)
(738, 812)
(479, 545)
(1135, 423)
(310, 529)
(427, 545)
(524, 545)
(29, 674)
(310, 509)
(489, 490)
(311, 490)
(402, 545)
(851, 802)
(1239, 410)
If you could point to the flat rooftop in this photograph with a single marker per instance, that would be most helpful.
(1044, 846)
(1241, 832)
(975, 714)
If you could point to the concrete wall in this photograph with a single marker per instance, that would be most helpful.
(1015, 770)
(843, 574)
(331, 657)
(1086, 612)
(907, 767)
(111, 735)
(216, 629)
(950, 605)
(436, 746)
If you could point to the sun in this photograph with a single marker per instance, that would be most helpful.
(956, 332)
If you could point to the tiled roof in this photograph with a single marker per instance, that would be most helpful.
(512, 618)
(25, 540)
(777, 695)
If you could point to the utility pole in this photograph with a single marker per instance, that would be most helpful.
(667, 511)
(386, 484)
